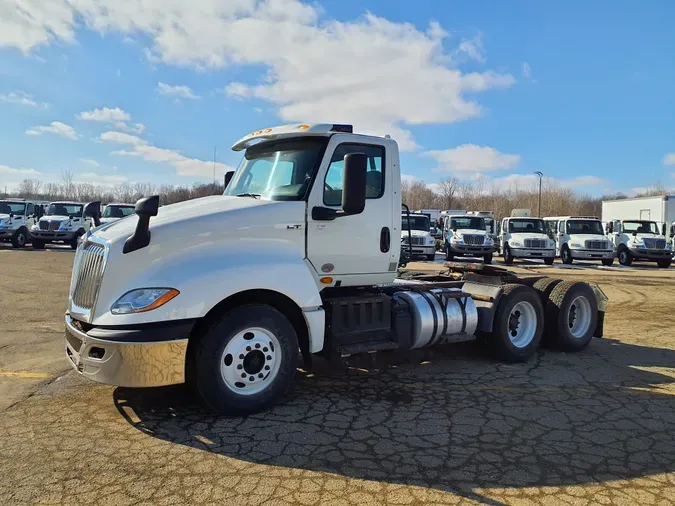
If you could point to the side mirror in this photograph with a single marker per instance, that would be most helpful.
(454, 229)
(93, 211)
(11, 215)
(145, 209)
(228, 177)
(610, 228)
(663, 229)
(354, 183)
(635, 234)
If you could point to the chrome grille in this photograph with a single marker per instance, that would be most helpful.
(654, 243)
(44, 225)
(415, 241)
(54, 225)
(535, 243)
(597, 244)
(474, 240)
(87, 274)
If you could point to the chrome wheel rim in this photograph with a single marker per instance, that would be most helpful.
(622, 257)
(21, 239)
(579, 317)
(251, 360)
(522, 324)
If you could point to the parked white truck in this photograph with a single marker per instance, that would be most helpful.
(17, 217)
(116, 211)
(64, 223)
(466, 235)
(580, 238)
(416, 233)
(297, 257)
(525, 238)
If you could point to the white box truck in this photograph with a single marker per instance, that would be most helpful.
(298, 257)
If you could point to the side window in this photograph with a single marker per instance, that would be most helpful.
(562, 227)
(505, 226)
(332, 188)
(30, 209)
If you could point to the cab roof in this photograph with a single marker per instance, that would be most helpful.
(120, 204)
(571, 218)
(67, 202)
(294, 130)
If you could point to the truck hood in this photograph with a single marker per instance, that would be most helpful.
(521, 236)
(54, 218)
(208, 217)
(109, 220)
(468, 231)
(581, 238)
(415, 233)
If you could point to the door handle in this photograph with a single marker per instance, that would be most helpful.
(385, 240)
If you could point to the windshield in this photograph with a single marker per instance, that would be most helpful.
(12, 207)
(281, 170)
(416, 223)
(531, 226)
(65, 210)
(467, 222)
(641, 227)
(585, 227)
(118, 211)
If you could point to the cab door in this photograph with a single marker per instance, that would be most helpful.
(367, 243)
(30, 215)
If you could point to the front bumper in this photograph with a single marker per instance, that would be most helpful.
(589, 254)
(48, 235)
(421, 250)
(148, 356)
(651, 254)
(7, 234)
(532, 253)
(464, 250)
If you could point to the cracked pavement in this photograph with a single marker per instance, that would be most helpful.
(439, 426)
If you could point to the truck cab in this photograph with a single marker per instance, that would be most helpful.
(115, 211)
(640, 240)
(64, 223)
(298, 257)
(466, 235)
(525, 238)
(17, 217)
(416, 233)
(580, 238)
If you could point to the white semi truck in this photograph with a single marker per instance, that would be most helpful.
(17, 217)
(298, 257)
(580, 238)
(525, 238)
(116, 211)
(466, 235)
(64, 223)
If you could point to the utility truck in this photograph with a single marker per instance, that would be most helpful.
(415, 232)
(640, 240)
(525, 238)
(115, 211)
(17, 217)
(64, 223)
(580, 238)
(466, 235)
(295, 259)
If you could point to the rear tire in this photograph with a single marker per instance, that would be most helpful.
(38, 244)
(607, 262)
(518, 325)
(566, 256)
(625, 258)
(549, 260)
(487, 259)
(19, 239)
(508, 256)
(571, 316)
(223, 356)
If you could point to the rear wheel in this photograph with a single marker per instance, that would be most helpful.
(508, 256)
(664, 264)
(19, 239)
(566, 255)
(38, 244)
(246, 360)
(607, 262)
(625, 258)
(549, 260)
(518, 325)
(571, 316)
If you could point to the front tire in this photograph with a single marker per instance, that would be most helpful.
(518, 325)
(38, 244)
(571, 315)
(487, 259)
(566, 256)
(74, 240)
(508, 256)
(246, 360)
(431, 258)
(549, 260)
(625, 258)
(448, 254)
(664, 264)
(607, 262)
(19, 239)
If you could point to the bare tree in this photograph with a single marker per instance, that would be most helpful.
(447, 189)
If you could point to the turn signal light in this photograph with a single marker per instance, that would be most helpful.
(327, 280)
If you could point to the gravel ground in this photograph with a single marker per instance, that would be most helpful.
(445, 426)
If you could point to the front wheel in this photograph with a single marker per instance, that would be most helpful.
(246, 360)
(448, 254)
(508, 256)
(19, 240)
(664, 264)
(607, 262)
(625, 258)
(38, 244)
(566, 255)
(487, 259)
(431, 258)
(74, 241)
(549, 260)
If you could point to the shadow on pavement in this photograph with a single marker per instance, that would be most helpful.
(449, 420)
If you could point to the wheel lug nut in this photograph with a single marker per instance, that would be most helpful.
(248, 348)
(269, 357)
(240, 366)
(251, 378)
(257, 345)
(267, 368)
(243, 375)
(241, 356)
(265, 349)
(260, 375)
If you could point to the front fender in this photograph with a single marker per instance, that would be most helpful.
(210, 272)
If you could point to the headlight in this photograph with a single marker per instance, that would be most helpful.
(142, 300)
(516, 243)
(457, 240)
(488, 240)
(576, 245)
(431, 240)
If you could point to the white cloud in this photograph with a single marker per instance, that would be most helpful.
(472, 158)
(55, 127)
(669, 159)
(472, 48)
(380, 75)
(177, 92)
(532, 181)
(105, 179)
(20, 97)
(184, 166)
(112, 116)
(5, 170)
(91, 162)
(408, 177)
(527, 71)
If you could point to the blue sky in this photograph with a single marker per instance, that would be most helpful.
(139, 91)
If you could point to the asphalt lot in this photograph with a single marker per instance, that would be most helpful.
(442, 426)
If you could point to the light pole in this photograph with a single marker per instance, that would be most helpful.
(540, 174)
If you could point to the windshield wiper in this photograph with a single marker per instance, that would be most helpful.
(254, 195)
